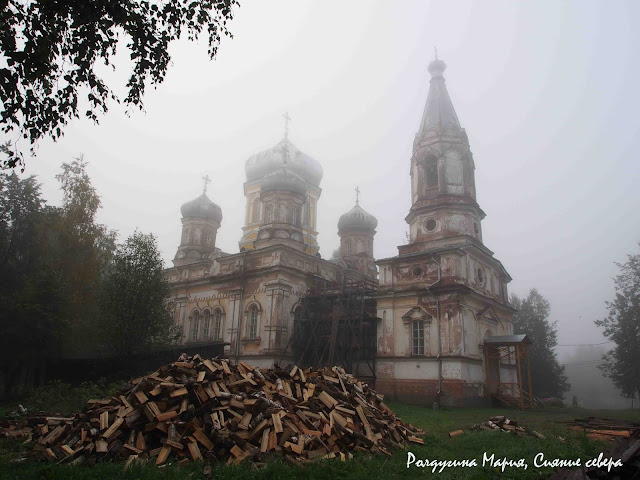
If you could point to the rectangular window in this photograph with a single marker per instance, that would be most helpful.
(417, 337)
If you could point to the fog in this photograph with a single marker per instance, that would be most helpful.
(547, 92)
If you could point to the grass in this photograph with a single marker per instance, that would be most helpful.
(438, 446)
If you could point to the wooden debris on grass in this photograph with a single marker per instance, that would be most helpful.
(196, 409)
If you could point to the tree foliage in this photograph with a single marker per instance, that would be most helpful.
(50, 50)
(32, 295)
(134, 298)
(622, 326)
(532, 318)
(51, 261)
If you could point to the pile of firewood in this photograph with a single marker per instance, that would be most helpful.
(200, 408)
(504, 424)
(603, 428)
(625, 448)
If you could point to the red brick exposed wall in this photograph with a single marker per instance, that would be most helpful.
(424, 392)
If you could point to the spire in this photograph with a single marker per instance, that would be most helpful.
(357, 196)
(439, 113)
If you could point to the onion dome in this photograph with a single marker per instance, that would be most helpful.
(357, 218)
(202, 207)
(436, 68)
(263, 163)
(284, 179)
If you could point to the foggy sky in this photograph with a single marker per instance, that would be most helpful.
(547, 92)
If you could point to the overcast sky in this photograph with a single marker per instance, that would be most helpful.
(547, 92)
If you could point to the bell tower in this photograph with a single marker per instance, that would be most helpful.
(443, 189)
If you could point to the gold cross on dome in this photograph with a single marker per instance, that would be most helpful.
(207, 181)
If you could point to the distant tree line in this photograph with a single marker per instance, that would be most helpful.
(66, 287)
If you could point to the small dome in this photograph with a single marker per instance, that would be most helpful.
(437, 67)
(262, 164)
(357, 218)
(284, 179)
(202, 207)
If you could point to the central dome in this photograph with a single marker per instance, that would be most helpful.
(283, 179)
(269, 161)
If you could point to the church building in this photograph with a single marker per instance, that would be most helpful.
(438, 300)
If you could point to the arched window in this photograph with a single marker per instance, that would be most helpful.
(305, 214)
(431, 171)
(270, 214)
(347, 247)
(252, 326)
(195, 325)
(417, 337)
(217, 325)
(294, 215)
(255, 214)
(206, 324)
(359, 246)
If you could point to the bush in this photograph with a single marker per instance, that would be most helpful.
(63, 398)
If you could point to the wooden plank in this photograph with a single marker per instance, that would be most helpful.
(294, 448)
(264, 442)
(142, 398)
(273, 441)
(277, 423)
(327, 399)
(141, 444)
(456, 433)
(179, 393)
(199, 435)
(194, 451)
(104, 420)
(236, 451)
(207, 363)
(111, 430)
(163, 417)
(163, 455)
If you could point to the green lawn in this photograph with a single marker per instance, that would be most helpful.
(438, 446)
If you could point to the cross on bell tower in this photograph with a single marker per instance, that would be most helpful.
(207, 181)
(357, 196)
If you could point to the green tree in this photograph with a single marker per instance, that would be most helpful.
(79, 248)
(51, 50)
(622, 326)
(134, 298)
(532, 318)
(32, 296)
